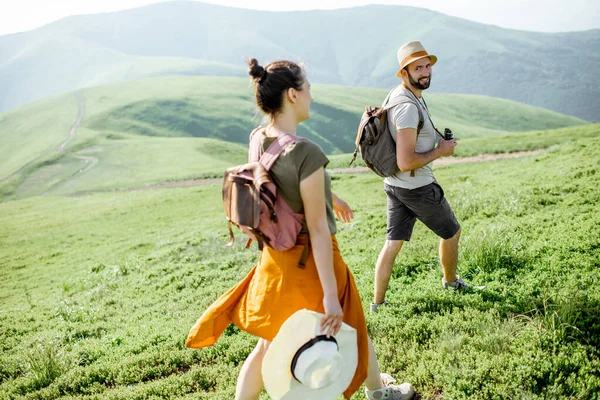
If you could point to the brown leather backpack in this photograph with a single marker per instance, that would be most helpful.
(251, 200)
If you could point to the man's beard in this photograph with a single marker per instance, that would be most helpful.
(417, 84)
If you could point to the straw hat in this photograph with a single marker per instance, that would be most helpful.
(410, 52)
(302, 364)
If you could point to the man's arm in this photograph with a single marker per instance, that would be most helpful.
(408, 159)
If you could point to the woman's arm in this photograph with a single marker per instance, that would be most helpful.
(312, 191)
(342, 210)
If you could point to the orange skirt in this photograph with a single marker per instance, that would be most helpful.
(275, 289)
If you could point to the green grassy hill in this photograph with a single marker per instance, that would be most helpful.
(98, 292)
(174, 128)
(511, 143)
(190, 37)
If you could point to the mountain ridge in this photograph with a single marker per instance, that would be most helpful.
(191, 38)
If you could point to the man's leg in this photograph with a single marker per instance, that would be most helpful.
(400, 223)
(435, 212)
(449, 256)
(383, 268)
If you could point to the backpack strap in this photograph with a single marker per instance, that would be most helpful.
(254, 148)
(272, 153)
(401, 99)
(387, 98)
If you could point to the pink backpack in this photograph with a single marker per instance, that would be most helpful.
(251, 200)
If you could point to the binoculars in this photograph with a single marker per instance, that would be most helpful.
(448, 135)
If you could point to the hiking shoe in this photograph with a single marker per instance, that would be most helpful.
(404, 391)
(458, 284)
(375, 306)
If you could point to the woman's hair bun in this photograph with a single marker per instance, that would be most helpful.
(256, 71)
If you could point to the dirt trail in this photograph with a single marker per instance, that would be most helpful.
(92, 161)
(457, 160)
(61, 148)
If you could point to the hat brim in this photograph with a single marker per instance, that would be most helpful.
(432, 58)
(298, 329)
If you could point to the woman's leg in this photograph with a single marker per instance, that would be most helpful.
(377, 389)
(373, 380)
(250, 382)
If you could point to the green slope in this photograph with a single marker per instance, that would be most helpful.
(99, 292)
(164, 125)
(224, 108)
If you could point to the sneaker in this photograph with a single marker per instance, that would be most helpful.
(458, 284)
(375, 306)
(404, 391)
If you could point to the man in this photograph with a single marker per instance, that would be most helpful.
(412, 192)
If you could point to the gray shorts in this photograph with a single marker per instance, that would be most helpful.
(426, 203)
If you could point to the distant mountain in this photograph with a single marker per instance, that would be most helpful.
(353, 47)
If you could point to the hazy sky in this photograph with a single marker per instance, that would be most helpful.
(535, 15)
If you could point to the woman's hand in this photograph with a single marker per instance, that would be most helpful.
(342, 210)
(332, 321)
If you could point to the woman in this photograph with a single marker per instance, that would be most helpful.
(277, 287)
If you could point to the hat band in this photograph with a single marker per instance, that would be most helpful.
(418, 54)
(308, 345)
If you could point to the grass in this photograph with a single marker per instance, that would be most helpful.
(510, 143)
(43, 365)
(98, 292)
(525, 141)
(151, 130)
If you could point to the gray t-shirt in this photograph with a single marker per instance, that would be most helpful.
(406, 115)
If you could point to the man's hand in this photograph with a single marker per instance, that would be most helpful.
(446, 147)
(342, 210)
